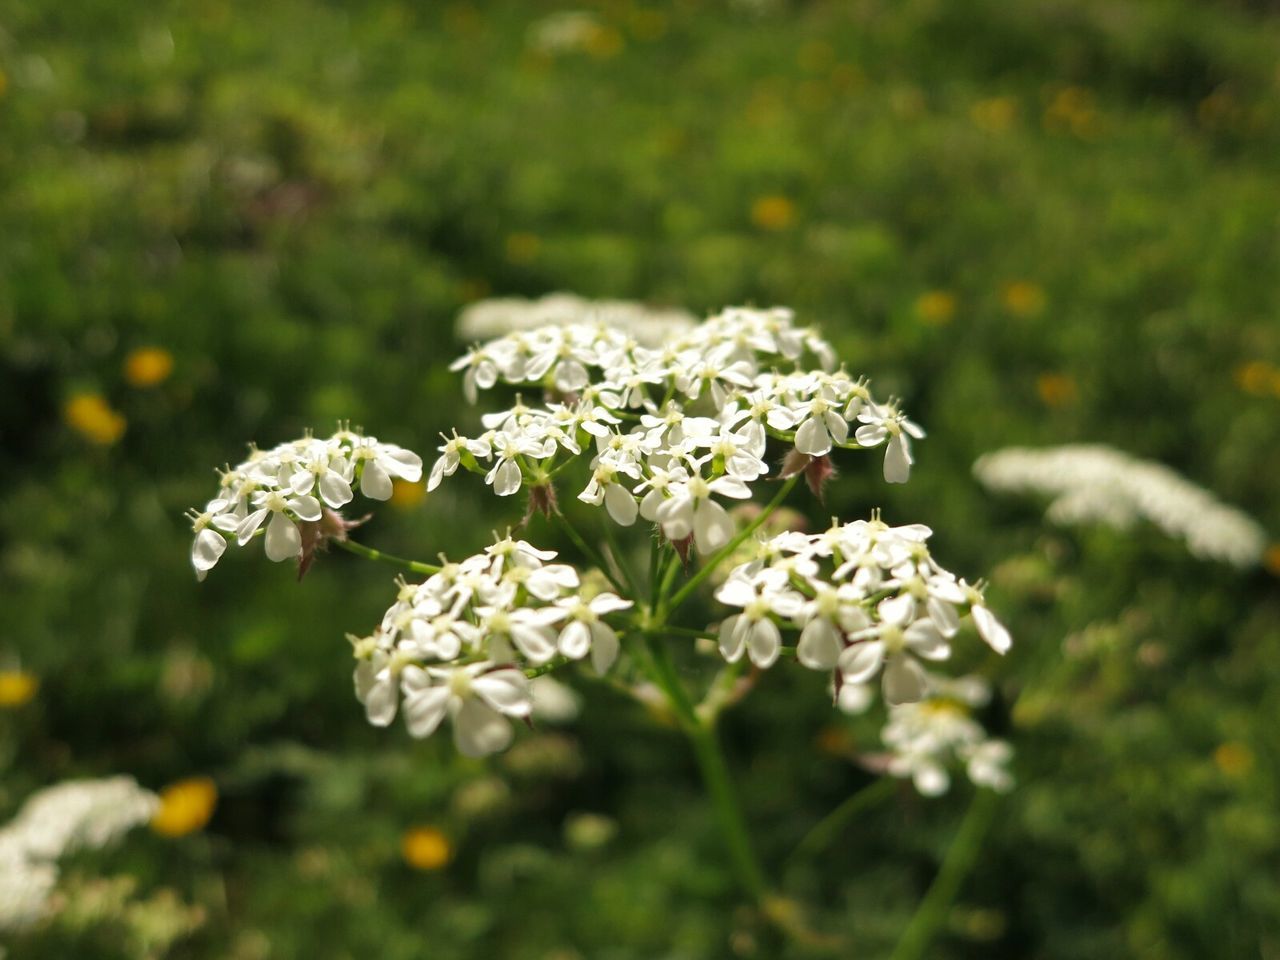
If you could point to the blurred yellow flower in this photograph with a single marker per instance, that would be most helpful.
(1233, 758)
(1072, 110)
(425, 848)
(185, 807)
(523, 247)
(603, 43)
(148, 366)
(91, 416)
(17, 687)
(835, 741)
(995, 114)
(1057, 390)
(773, 212)
(1256, 377)
(1271, 559)
(936, 307)
(406, 495)
(1022, 298)
(4, 82)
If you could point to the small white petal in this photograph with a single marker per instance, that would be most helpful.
(991, 629)
(207, 548)
(861, 661)
(575, 640)
(283, 539)
(479, 730)
(904, 680)
(620, 503)
(374, 482)
(604, 647)
(819, 645)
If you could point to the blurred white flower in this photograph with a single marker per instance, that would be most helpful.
(1095, 483)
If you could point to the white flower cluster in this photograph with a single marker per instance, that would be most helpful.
(284, 493)
(925, 738)
(456, 644)
(77, 814)
(669, 429)
(868, 600)
(650, 326)
(1100, 484)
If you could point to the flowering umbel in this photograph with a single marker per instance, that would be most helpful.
(656, 437)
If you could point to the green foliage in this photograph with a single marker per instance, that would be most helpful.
(1035, 222)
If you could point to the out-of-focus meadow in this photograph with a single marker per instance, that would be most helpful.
(1036, 222)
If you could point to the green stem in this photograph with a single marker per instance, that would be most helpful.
(716, 558)
(932, 912)
(615, 552)
(592, 554)
(828, 829)
(715, 773)
(360, 550)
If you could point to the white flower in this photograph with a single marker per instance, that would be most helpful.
(754, 630)
(823, 427)
(987, 764)
(381, 462)
(1094, 483)
(477, 697)
(604, 488)
(690, 509)
(881, 422)
(891, 643)
(283, 539)
(451, 455)
(584, 630)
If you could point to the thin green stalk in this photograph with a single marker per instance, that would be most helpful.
(715, 773)
(932, 912)
(592, 554)
(615, 551)
(716, 558)
(827, 830)
(360, 550)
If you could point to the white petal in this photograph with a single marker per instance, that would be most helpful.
(855, 698)
(819, 645)
(991, 629)
(931, 779)
(507, 478)
(575, 640)
(381, 700)
(283, 540)
(479, 730)
(535, 642)
(424, 709)
(812, 438)
(374, 482)
(206, 549)
(861, 661)
(897, 461)
(335, 489)
(505, 690)
(604, 647)
(944, 616)
(402, 463)
(712, 526)
(898, 610)
(870, 435)
(249, 526)
(765, 643)
(307, 508)
(904, 680)
(620, 504)
(731, 637)
(925, 640)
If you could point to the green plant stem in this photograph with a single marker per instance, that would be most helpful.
(592, 554)
(615, 552)
(718, 557)
(360, 550)
(827, 830)
(932, 912)
(715, 773)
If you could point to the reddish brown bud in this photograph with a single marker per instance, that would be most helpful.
(316, 535)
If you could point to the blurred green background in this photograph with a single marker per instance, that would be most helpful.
(1039, 223)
